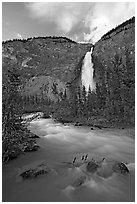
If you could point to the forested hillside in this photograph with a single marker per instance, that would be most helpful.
(114, 62)
(44, 74)
(37, 73)
(46, 65)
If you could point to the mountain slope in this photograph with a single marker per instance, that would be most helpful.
(114, 64)
(50, 69)
(55, 59)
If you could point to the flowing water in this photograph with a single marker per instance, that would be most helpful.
(87, 72)
(59, 145)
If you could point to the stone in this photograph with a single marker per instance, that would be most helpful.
(98, 126)
(32, 173)
(120, 167)
(92, 166)
(31, 135)
(31, 145)
(79, 181)
(31, 148)
(14, 153)
(78, 124)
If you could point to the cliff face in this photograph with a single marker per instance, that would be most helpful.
(45, 65)
(114, 65)
(50, 68)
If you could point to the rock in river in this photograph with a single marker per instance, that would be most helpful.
(79, 181)
(31, 146)
(120, 167)
(92, 166)
(35, 172)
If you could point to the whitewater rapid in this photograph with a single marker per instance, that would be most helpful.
(59, 145)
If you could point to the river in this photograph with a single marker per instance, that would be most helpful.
(60, 144)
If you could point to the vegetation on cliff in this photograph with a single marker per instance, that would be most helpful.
(53, 38)
(36, 74)
(44, 74)
(119, 28)
(113, 102)
(114, 65)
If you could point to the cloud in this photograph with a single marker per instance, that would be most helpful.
(106, 16)
(81, 21)
(65, 15)
(18, 35)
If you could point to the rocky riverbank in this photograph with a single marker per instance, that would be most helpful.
(20, 140)
(93, 122)
(73, 164)
(18, 143)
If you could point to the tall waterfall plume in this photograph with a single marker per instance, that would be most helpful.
(87, 72)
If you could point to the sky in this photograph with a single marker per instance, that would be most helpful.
(79, 21)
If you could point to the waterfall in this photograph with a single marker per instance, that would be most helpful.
(87, 72)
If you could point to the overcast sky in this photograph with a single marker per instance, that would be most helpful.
(80, 21)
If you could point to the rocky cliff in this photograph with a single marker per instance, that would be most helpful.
(46, 65)
(44, 74)
(50, 68)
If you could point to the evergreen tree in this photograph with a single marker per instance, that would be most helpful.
(89, 102)
(78, 101)
(84, 101)
(11, 111)
(65, 94)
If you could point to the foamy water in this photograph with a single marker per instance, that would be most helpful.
(87, 72)
(59, 145)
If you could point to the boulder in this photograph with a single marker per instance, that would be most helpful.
(31, 147)
(98, 126)
(120, 167)
(92, 166)
(32, 173)
(78, 124)
(13, 153)
(79, 181)
(31, 135)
